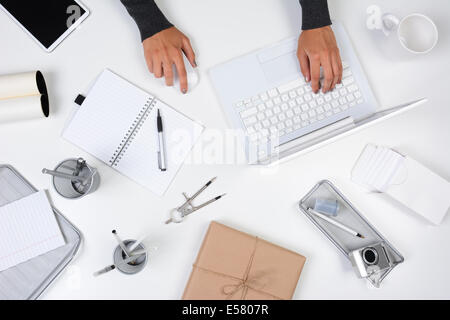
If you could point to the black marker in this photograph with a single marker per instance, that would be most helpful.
(162, 151)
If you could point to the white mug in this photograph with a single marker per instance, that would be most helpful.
(416, 32)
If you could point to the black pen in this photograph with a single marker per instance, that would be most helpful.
(162, 151)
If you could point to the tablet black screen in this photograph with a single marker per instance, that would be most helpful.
(46, 20)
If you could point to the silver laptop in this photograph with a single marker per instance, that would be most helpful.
(265, 95)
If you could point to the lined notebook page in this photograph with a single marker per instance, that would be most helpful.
(28, 228)
(140, 161)
(106, 115)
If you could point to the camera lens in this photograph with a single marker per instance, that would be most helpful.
(370, 256)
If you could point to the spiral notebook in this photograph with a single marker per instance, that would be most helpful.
(117, 124)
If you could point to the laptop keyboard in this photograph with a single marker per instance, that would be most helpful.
(292, 106)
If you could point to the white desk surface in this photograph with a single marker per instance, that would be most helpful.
(260, 202)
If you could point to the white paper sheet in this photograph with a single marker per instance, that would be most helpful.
(405, 180)
(28, 228)
(423, 191)
(376, 167)
(140, 161)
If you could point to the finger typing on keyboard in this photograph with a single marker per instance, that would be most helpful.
(292, 106)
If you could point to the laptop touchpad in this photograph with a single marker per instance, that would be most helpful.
(282, 68)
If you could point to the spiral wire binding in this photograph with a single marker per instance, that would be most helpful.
(132, 132)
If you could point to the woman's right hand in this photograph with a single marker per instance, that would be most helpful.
(164, 49)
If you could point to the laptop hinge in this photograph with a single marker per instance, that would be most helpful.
(336, 127)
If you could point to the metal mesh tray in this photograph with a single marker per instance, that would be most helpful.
(29, 279)
(350, 216)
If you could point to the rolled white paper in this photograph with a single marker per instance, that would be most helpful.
(23, 96)
(23, 108)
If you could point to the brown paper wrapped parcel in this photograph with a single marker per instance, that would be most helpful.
(235, 265)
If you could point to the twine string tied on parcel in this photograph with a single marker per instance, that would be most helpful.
(256, 283)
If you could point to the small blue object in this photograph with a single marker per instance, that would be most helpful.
(326, 206)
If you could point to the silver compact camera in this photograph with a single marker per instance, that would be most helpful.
(370, 260)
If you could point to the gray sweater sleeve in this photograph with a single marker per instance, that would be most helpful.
(147, 16)
(150, 19)
(314, 14)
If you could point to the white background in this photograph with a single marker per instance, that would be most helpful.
(259, 202)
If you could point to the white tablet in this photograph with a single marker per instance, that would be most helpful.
(48, 22)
